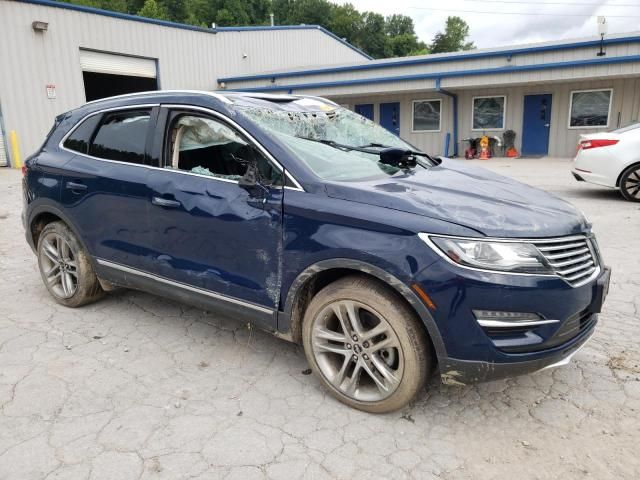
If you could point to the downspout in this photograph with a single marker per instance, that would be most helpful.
(455, 114)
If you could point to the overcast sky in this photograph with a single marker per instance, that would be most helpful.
(545, 20)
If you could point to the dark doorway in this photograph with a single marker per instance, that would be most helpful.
(101, 85)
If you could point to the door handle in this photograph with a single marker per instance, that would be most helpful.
(165, 202)
(76, 187)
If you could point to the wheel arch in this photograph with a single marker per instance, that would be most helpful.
(631, 165)
(321, 274)
(41, 216)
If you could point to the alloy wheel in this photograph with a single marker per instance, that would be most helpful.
(632, 184)
(357, 351)
(59, 266)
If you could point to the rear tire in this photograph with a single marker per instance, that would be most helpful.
(366, 346)
(630, 183)
(65, 267)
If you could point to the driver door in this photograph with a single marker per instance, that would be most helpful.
(211, 236)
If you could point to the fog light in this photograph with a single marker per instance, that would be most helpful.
(491, 318)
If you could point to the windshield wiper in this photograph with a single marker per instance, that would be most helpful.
(394, 156)
(377, 145)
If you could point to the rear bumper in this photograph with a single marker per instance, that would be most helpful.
(595, 178)
(462, 372)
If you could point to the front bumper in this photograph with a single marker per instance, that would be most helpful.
(462, 372)
(477, 353)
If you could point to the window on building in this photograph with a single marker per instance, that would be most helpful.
(590, 108)
(426, 115)
(488, 113)
(80, 138)
(209, 147)
(121, 136)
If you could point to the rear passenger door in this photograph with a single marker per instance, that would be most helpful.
(208, 232)
(104, 189)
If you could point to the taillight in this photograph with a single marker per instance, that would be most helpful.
(24, 170)
(587, 144)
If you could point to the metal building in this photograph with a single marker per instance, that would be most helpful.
(56, 56)
(548, 93)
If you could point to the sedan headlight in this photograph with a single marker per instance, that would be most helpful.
(500, 256)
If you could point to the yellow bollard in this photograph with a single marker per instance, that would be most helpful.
(15, 150)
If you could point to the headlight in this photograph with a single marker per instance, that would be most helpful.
(501, 256)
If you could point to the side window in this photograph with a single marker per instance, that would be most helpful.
(207, 146)
(80, 138)
(121, 136)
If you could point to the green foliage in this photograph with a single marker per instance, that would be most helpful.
(380, 37)
(151, 9)
(454, 37)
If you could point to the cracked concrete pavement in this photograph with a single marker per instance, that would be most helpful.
(138, 387)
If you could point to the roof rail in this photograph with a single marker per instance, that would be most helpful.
(218, 96)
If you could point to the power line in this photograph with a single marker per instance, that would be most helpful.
(524, 2)
(452, 10)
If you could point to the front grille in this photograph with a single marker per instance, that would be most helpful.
(572, 258)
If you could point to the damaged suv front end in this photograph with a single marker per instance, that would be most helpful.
(511, 277)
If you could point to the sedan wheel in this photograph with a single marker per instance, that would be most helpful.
(366, 345)
(630, 184)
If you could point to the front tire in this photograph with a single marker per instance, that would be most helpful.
(630, 183)
(65, 267)
(366, 346)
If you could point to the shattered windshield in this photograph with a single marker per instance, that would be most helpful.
(301, 131)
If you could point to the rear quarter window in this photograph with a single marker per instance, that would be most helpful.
(80, 138)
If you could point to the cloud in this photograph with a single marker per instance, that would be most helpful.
(568, 19)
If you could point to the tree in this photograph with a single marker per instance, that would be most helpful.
(401, 38)
(454, 37)
(346, 22)
(399, 25)
(309, 12)
(405, 45)
(151, 9)
(372, 38)
(176, 9)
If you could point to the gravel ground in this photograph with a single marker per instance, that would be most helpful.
(139, 387)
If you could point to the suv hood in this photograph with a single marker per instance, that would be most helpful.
(476, 198)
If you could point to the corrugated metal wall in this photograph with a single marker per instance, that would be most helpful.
(187, 59)
(562, 140)
(470, 64)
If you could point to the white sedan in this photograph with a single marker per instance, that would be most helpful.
(611, 159)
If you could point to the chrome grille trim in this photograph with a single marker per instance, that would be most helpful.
(574, 259)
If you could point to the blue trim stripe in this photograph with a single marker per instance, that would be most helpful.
(432, 59)
(166, 23)
(440, 75)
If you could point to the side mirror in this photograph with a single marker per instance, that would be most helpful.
(398, 157)
(251, 181)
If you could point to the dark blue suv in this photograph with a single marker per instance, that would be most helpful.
(316, 224)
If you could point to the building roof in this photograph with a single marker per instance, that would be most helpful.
(166, 23)
(541, 47)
